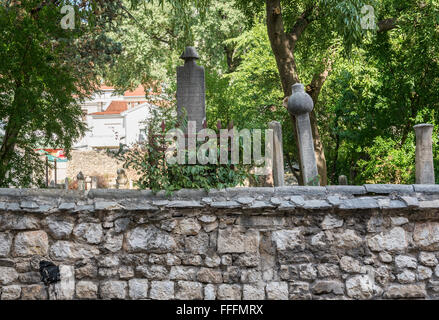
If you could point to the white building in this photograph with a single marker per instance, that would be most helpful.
(114, 119)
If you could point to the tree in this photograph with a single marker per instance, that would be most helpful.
(45, 69)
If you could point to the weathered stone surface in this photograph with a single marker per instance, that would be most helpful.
(428, 259)
(113, 242)
(402, 261)
(7, 275)
(277, 290)
(86, 290)
(359, 203)
(150, 239)
(154, 272)
(324, 287)
(426, 236)
(113, 290)
(108, 261)
(328, 270)
(385, 257)
(10, 292)
(138, 288)
(394, 240)
(235, 241)
(198, 244)
(29, 277)
(31, 243)
(87, 270)
(188, 290)
(331, 222)
(307, 271)
(18, 222)
(64, 250)
(208, 275)
(5, 244)
(360, 287)
(126, 272)
(289, 239)
(209, 292)
(254, 291)
(229, 292)
(406, 276)
(162, 290)
(90, 232)
(59, 227)
(396, 291)
(299, 291)
(34, 292)
(345, 239)
(188, 227)
(183, 273)
(399, 221)
(424, 273)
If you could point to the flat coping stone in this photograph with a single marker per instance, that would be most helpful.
(426, 188)
(346, 189)
(359, 203)
(389, 188)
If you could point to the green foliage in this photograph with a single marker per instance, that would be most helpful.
(44, 69)
(150, 162)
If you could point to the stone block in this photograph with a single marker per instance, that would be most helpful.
(113, 290)
(189, 290)
(30, 243)
(162, 290)
(138, 288)
(229, 292)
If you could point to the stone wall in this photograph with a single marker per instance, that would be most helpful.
(96, 163)
(363, 242)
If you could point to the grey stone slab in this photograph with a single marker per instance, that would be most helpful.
(189, 194)
(410, 201)
(359, 203)
(261, 205)
(346, 189)
(245, 200)
(250, 192)
(316, 204)
(300, 190)
(106, 205)
(334, 200)
(298, 200)
(67, 206)
(432, 204)
(13, 206)
(388, 188)
(225, 204)
(28, 205)
(391, 204)
(424, 154)
(426, 188)
(184, 204)
(2, 206)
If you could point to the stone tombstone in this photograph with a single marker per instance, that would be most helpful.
(94, 182)
(121, 179)
(278, 155)
(66, 183)
(300, 104)
(191, 96)
(81, 182)
(424, 154)
(342, 180)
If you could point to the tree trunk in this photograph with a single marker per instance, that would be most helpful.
(284, 54)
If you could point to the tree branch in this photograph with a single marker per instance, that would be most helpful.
(299, 27)
(387, 25)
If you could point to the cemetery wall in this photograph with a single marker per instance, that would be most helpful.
(96, 163)
(341, 242)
